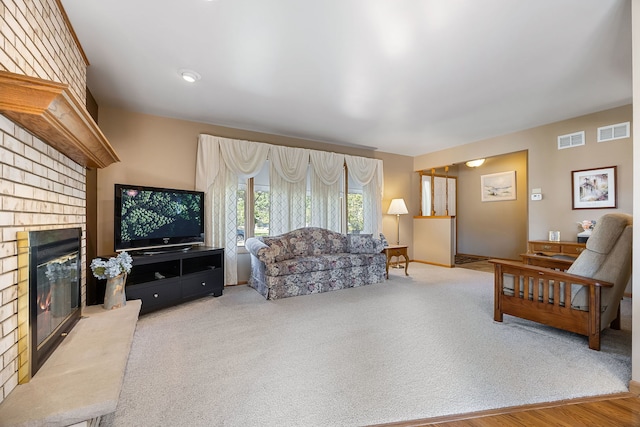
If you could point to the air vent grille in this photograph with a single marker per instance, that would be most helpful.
(571, 140)
(609, 133)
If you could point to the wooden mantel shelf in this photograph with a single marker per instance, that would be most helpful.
(51, 112)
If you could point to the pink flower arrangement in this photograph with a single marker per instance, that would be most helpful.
(587, 224)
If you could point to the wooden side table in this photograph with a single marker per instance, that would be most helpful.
(545, 247)
(396, 251)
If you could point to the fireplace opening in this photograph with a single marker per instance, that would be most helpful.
(51, 293)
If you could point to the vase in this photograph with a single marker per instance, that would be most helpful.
(114, 295)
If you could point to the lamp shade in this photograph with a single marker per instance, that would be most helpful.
(397, 207)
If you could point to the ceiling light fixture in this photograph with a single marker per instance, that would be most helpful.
(475, 163)
(189, 76)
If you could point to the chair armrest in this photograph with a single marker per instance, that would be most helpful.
(504, 266)
(547, 261)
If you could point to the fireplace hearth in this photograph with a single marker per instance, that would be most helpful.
(49, 306)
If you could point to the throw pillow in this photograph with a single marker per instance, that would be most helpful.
(361, 244)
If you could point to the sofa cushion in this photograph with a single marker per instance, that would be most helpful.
(301, 265)
(315, 241)
(360, 244)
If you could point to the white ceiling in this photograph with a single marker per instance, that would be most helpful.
(402, 76)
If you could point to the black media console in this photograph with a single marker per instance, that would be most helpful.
(168, 278)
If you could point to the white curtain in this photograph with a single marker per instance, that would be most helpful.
(221, 162)
(368, 173)
(327, 170)
(288, 188)
(233, 159)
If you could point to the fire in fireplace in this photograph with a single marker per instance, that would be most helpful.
(48, 293)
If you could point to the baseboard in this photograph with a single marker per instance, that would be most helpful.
(634, 387)
(433, 263)
(472, 255)
(241, 282)
(466, 418)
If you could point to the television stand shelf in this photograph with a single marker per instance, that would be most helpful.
(169, 278)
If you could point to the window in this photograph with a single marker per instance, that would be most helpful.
(307, 213)
(438, 195)
(426, 195)
(261, 202)
(253, 204)
(355, 207)
(333, 210)
(242, 212)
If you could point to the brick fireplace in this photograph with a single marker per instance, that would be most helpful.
(43, 164)
(50, 268)
(41, 189)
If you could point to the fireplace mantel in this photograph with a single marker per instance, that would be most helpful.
(50, 111)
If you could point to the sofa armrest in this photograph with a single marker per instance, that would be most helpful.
(254, 245)
(379, 245)
(274, 250)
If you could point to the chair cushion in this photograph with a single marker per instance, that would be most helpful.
(607, 231)
(616, 268)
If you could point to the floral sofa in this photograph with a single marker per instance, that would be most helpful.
(312, 260)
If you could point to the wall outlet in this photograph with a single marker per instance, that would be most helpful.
(536, 196)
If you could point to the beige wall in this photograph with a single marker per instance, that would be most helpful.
(398, 185)
(550, 169)
(161, 152)
(493, 229)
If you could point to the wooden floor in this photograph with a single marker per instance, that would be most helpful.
(618, 410)
(483, 265)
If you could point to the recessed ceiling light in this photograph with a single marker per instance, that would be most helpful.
(189, 75)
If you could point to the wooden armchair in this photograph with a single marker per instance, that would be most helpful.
(586, 298)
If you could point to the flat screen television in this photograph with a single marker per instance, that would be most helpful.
(148, 218)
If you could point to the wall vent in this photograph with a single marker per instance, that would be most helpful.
(609, 133)
(571, 140)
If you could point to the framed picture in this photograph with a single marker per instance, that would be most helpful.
(594, 188)
(497, 187)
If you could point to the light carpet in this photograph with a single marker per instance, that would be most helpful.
(409, 348)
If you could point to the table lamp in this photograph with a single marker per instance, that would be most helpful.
(397, 208)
